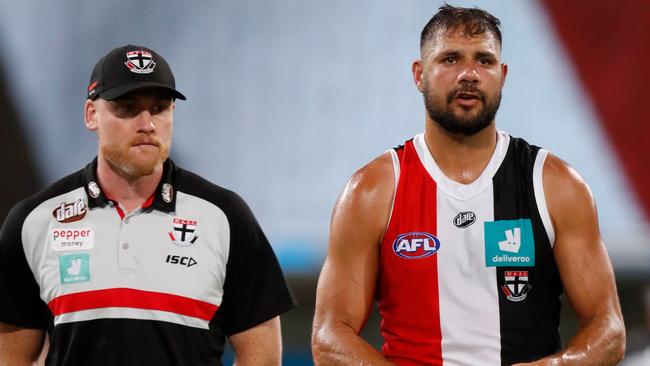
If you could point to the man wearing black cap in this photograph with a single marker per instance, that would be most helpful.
(133, 260)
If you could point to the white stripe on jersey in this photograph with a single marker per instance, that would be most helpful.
(131, 313)
(540, 198)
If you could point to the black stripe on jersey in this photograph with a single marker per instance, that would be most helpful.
(529, 328)
(133, 342)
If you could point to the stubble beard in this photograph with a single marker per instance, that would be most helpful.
(120, 157)
(466, 124)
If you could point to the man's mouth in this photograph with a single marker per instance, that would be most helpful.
(145, 143)
(467, 100)
(467, 96)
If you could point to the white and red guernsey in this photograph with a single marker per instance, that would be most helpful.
(162, 285)
(467, 275)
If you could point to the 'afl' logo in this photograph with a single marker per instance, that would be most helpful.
(416, 245)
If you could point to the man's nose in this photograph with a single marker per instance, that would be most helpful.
(469, 73)
(145, 122)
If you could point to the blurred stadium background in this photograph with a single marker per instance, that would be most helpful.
(287, 98)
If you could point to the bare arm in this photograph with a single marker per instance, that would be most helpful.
(259, 346)
(347, 282)
(20, 346)
(585, 270)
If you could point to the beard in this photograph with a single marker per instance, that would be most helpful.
(466, 124)
(140, 165)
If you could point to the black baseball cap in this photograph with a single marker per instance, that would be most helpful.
(129, 68)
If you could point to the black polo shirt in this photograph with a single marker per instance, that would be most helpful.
(162, 285)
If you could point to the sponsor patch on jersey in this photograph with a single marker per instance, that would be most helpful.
(167, 192)
(416, 245)
(464, 219)
(140, 62)
(94, 190)
(183, 232)
(509, 243)
(74, 268)
(516, 285)
(180, 260)
(70, 212)
(72, 239)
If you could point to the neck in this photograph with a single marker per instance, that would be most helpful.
(129, 191)
(461, 158)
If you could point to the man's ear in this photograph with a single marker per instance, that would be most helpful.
(90, 115)
(417, 68)
(504, 73)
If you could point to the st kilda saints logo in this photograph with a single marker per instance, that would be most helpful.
(516, 286)
(183, 232)
(70, 212)
(140, 62)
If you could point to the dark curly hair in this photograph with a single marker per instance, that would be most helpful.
(474, 21)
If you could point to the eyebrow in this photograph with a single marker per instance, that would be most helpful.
(449, 53)
(456, 53)
(482, 54)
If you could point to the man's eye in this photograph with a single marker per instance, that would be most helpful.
(485, 61)
(450, 60)
(125, 108)
(125, 111)
(158, 108)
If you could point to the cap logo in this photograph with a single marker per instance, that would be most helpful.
(167, 192)
(91, 88)
(140, 62)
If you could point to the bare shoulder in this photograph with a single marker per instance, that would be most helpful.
(368, 195)
(372, 177)
(567, 193)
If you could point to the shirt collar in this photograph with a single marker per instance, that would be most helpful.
(163, 199)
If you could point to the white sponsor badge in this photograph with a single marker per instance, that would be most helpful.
(72, 239)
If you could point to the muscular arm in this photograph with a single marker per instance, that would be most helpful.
(259, 346)
(20, 346)
(585, 270)
(347, 282)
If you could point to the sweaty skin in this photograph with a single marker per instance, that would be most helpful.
(348, 280)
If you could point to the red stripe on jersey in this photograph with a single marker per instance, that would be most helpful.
(119, 211)
(408, 299)
(131, 298)
(148, 202)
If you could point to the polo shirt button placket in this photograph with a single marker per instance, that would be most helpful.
(124, 249)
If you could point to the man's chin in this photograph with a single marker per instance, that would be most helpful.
(137, 168)
(141, 169)
(132, 163)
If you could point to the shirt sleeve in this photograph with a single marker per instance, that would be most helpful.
(20, 302)
(255, 289)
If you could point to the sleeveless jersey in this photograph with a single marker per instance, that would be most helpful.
(467, 273)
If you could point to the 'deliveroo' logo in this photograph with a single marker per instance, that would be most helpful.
(509, 243)
(416, 245)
